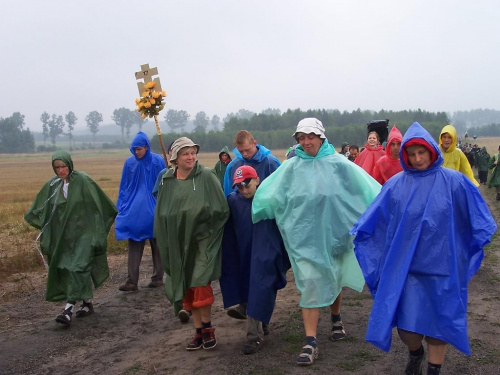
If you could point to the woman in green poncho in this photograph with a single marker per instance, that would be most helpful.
(189, 220)
(74, 216)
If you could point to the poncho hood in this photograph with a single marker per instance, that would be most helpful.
(394, 136)
(450, 129)
(325, 150)
(225, 150)
(416, 131)
(259, 156)
(65, 157)
(141, 140)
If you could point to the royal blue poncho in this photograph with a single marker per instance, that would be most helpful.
(419, 244)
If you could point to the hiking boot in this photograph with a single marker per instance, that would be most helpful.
(65, 317)
(209, 341)
(265, 328)
(338, 332)
(252, 347)
(155, 283)
(237, 312)
(184, 315)
(196, 343)
(128, 287)
(307, 356)
(86, 309)
(415, 365)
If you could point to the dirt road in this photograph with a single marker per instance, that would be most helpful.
(136, 332)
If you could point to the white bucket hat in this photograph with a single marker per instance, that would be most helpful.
(179, 144)
(310, 125)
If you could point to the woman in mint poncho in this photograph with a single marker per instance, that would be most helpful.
(74, 216)
(315, 198)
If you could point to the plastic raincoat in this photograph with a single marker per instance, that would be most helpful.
(315, 201)
(454, 158)
(221, 166)
(189, 222)
(419, 244)
(254, 260)
(386, 166)
(367, 158)
(495, 172)
(263, 162)
(74, 233)
(136, 204)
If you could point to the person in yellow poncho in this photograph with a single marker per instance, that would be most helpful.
(454, 158)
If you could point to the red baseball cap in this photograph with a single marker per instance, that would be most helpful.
(245, 172)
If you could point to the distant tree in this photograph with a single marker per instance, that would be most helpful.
(93, 119)
(176, 119)
(271, 111)
(56, 126)
(13, 138)
(138, 120)
(242, 114)
(215, 122)
(201, 122)
(71, 121)
(124, 118)
(45, 118)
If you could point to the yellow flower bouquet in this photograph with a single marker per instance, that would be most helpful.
(151, 102)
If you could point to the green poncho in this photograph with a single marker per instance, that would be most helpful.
(315, 201)
(189, 221)
(74, 233)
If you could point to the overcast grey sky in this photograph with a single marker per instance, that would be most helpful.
(219, 56)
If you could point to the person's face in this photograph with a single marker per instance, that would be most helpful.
(247, 149)
(372, 140)
(186, 158)
(224, 157)
(311, 143)
(353, 152)
(140, 151)
(346, 148)
(62, 170)
(395, 146)
(419, 157)
(247, 190)
(446, 140)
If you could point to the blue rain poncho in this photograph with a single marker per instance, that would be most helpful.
(136, 203)
(254, 260)
(315, 201)
(263, 162)
(419, 244)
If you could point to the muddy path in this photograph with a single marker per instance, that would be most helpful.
(136, 332)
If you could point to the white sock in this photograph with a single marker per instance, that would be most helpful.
(69, 306)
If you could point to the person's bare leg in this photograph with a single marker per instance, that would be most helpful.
(310, 317)
(335, 306)
(436, 350)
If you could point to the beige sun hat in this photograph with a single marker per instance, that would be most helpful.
(310, 125)
(179, 144)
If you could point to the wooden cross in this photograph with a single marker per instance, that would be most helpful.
(146, 74)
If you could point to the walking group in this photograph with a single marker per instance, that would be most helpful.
(408, 221)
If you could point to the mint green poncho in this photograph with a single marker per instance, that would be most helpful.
(316, 201)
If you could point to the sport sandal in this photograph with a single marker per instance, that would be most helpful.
(308, 355)
(338, 332)
(86, 309)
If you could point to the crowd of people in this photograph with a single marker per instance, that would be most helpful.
(379, 217)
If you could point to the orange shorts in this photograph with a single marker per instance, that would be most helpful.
(198, 296)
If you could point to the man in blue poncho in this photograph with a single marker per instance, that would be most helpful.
(315, 198)
(136, 206)
(419, 244)
(248, 152)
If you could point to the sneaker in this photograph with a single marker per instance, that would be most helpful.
(65, 317)
(265, 328)
(415, 365)
(184, 315)
(237, 312)
(128, 287)
(86, 309)
(155, 283)
(252, 347)
(209, 341)
(338, 332)
(196, 343)
(307, 356)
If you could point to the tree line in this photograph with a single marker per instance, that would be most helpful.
(270, 127)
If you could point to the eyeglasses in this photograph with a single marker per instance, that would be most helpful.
(244, 183)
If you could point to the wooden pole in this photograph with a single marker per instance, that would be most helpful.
(160, 137)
